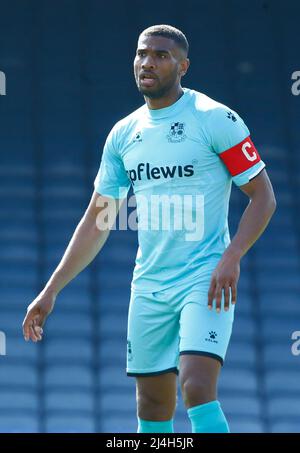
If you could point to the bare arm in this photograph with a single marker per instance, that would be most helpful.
(86, 242)
(254, 220)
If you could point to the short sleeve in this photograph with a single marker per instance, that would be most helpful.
(112, 180)
(230, 139)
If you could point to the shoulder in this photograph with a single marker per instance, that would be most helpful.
(208, 109)
(218, 119)
(125, 125)
(123, 128)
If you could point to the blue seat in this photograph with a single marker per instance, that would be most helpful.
(289, 282)
(75, 324)
(285, 242)
(239, 405)
(68, 400)
(278, 328)
(20, 351)
(58, 423)
(113, 351)
(62, 196)
(244, 328)
(14, 232)
(68, 350)
(244, 283)
(75, 298)
(11, 321)
(63, 168)
(72, 376)
(124, 401)
(244, 304)
(289, 305)
(286, 426)
(270, 262)
(61, 235)
(117, 279)
(282, 383)
(25, 197)
(19, 423)
(17, 174)
(182, 424)
(238, 380)
(18, 275)
(116, 423)
(246, 425)
(18, 400)
(18, 298)
(112, 325)
(240, 353)
(17, 375)
(114, 300)
(62, 215)
(279, 355)
(19, 252)
(282, 407)
(114, 377)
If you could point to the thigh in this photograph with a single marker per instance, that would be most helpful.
(152, 336)
(202, 331)
(204, 369)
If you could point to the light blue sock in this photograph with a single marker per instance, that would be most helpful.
(208, 418)
(147, 426)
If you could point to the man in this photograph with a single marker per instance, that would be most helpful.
(184, 286)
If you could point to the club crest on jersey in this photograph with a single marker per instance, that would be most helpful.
(176, 133)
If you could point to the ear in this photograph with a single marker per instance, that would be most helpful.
(184, 66)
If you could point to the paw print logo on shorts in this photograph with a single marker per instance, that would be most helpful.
(212, 337)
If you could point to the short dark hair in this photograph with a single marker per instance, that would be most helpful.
(167, 31)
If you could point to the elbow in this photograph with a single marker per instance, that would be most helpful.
(272, 204)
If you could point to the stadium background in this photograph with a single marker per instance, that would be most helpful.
(68, 67)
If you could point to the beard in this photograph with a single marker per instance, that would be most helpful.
(160, 91)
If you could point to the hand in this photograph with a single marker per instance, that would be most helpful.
(37, 313)
(224, 278)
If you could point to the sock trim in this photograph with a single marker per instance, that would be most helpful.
(203, 408)
(155, 426)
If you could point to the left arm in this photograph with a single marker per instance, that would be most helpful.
(253, 222)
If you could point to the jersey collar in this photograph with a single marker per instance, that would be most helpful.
(171, 109)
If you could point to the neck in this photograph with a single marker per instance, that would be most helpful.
(166, 100)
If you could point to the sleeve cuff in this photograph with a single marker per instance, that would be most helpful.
(248, 175)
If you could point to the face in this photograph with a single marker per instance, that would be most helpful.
(158, 66)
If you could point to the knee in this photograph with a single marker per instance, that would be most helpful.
(155, 407)
(197, 391)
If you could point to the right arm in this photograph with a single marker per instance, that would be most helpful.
(86, 242)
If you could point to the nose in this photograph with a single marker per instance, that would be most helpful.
(148, 62)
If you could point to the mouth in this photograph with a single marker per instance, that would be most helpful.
(147, 80)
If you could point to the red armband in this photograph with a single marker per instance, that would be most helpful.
(240, 157)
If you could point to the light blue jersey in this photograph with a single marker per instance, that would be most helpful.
(178, 160)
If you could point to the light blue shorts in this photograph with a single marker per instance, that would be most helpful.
(165, 324)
